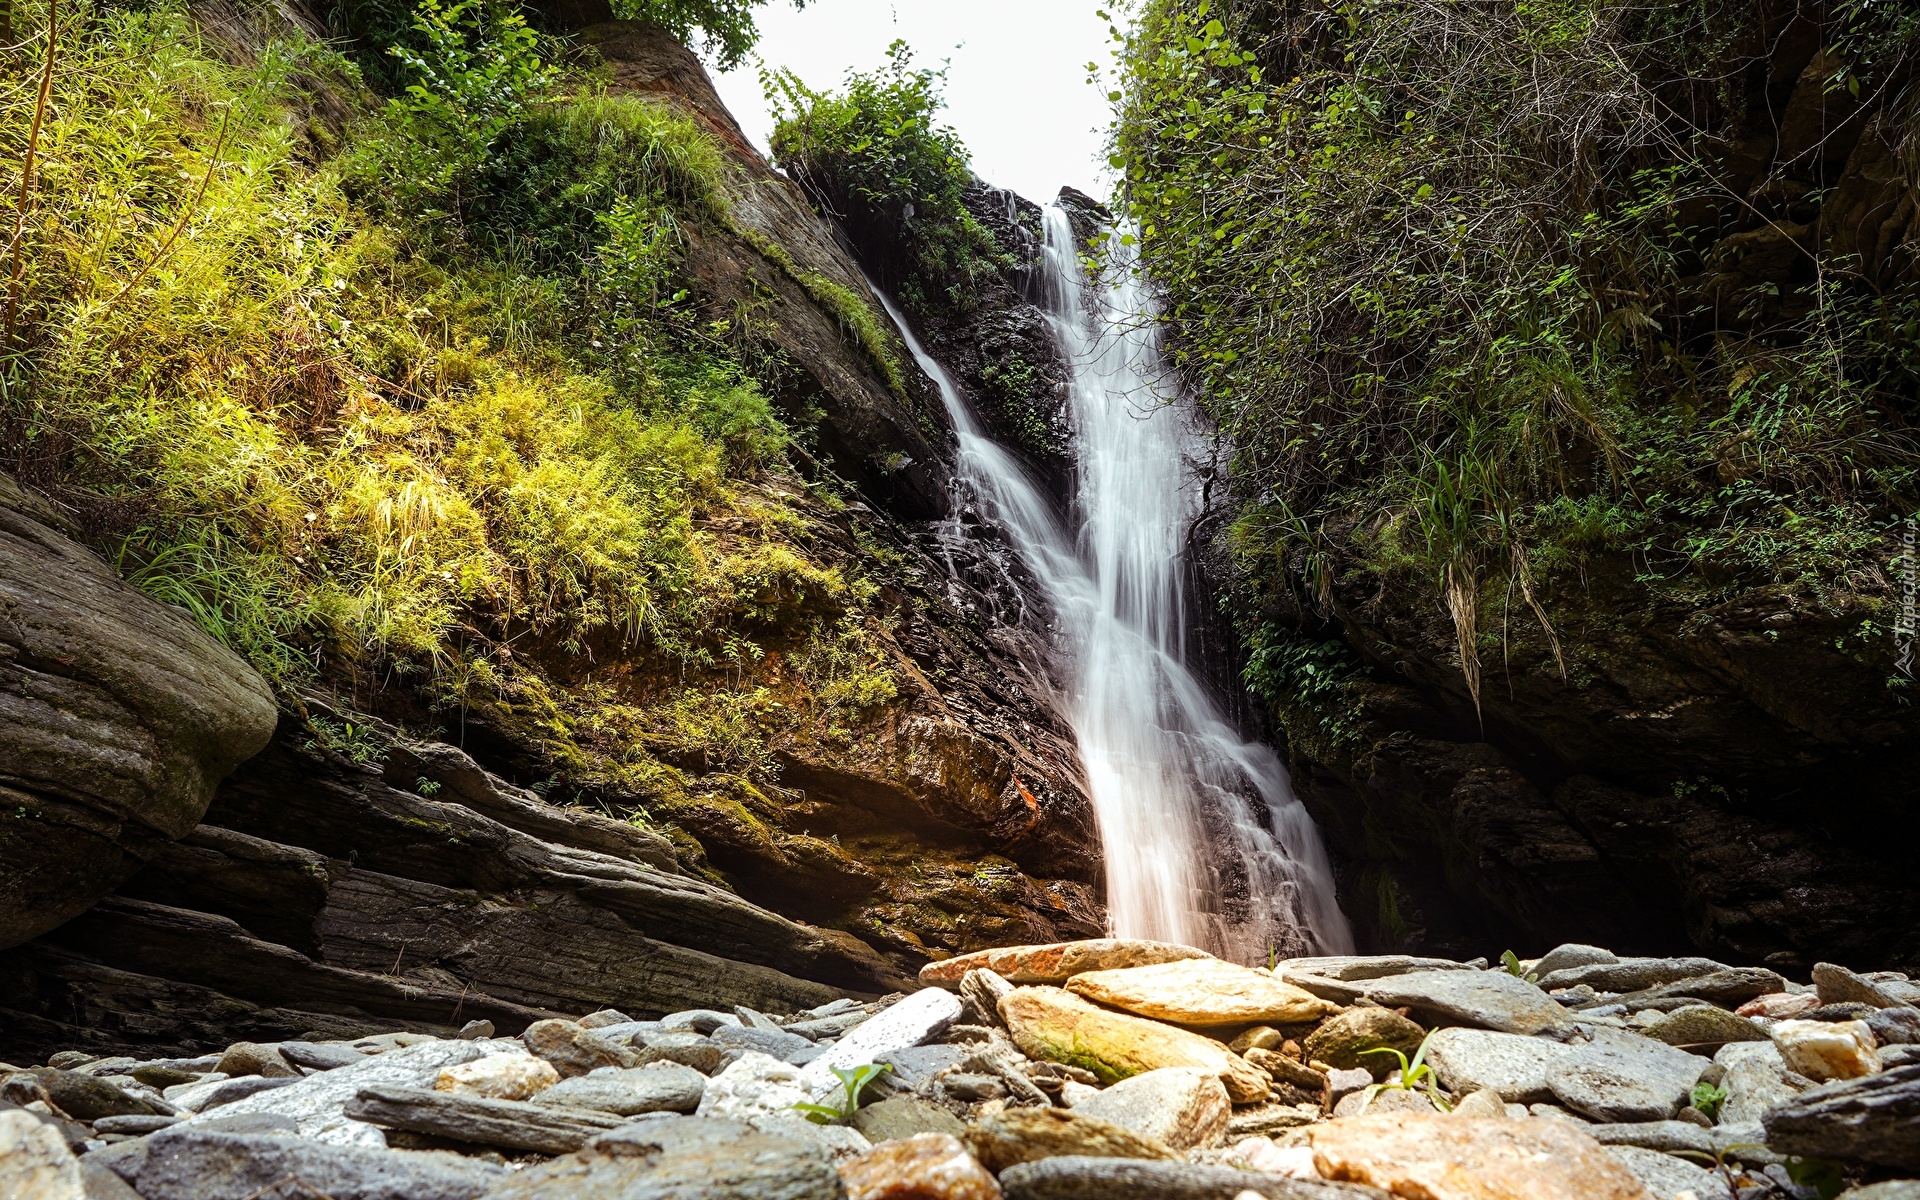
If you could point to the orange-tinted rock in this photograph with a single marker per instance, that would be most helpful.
(1430, 1157)
(1057, 962)
(1203, 992)
(1056, 1025)
(927, 1166)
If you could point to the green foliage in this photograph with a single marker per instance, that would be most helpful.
(875, 154)
(358, 744)
(1511, 962)
(852, 1081)
(1414, 1076)
(1708, 1097)
(723, 29)
(1306, 681)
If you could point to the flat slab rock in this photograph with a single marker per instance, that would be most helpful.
(1203, 992)
(1871, 1120)
(1463, 1158)
(508, 1124)
(1181, 1107)
(1670, 1178)
(1055, 1025)
(1076, 1177)
(682, 1158)
(1056, 962)
(1467, 1060)
(188, 1162)
(1487, 999)
(909, 1023)
(1370, 966)
(1620, 1077)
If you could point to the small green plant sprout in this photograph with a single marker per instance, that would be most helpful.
(1414, 1076)
(1708, 1098)
(852, 1081)
(425, 786)
(1511, 962)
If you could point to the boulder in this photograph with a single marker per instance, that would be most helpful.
(574, 1050)
(1202, 992)
(499, 1077)
(1874, 1119)
(1056, 1025)
(1488, 999)
(508, 1124)
(1344, 1041)
(35, 1163)
(1056, 962)
(1755, 1081)
(1449, 1158)
(1179, 1107)
(1619, 1076)
(1668, 1178)
(682, 1157)
(1017, 1135)
(1073, 1177)
(926, 1166)
(187, 1162)
(1467, 1060)
(1702, 1025)
(909, 1023)
(1824, 1050)
(630, 1091)
(119, 716)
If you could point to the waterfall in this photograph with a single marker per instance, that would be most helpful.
(1179, 795)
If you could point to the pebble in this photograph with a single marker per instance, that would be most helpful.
(499, 1077)
(1824, 1051)
(606, 1017)
(1485, 1103)
(926, 1166)
(1180, 1107)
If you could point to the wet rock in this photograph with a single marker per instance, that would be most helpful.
(1824, 1051)
(573, 1050)
(35, 1163)
(1668, 1137)
(1702, 1025)
(191, 1163)
(1516, 1067)
(1179, 1107)
(630, 1091)
(86, 1098)
(508, 1124)
(909, 1023)
(1343, 1041)
(499, 1077)
(1571, 955)
(926, 1166)
(904, 1117)
(1623, 1077)
(1203, 992)
(1631, 974)
(1668, 1178)
(1755, 1081)
(682, 1157)
(1019, 1135)
(1488, 999)
(688, 1049)
(1445, 1158)
(1056, 1025)
(1056, 962)
(1837, 985)
(1875, 1119)
(754, 1085)
(775, 1043)
(1074, 1177)
(318, 1056)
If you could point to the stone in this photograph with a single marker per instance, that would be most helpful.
(926, 1166)
(1264, 1120)
(1488, 999)
(999, 1059)
(1895, 1026)
(1056, 962)
(1467, 1060)
(1569, 955)
(1344, 1081)
(1755, 1081)
(508, 1124)
(1202, 992)
(910, 1022)
(1306, 1084)
(187, 1162)
(156, 1076)
(682, 1158)
(1343, 1041)
(1485, 1103)
(982, 989)
(831, 1008)
(317, 1103)
(1668, 1178)
(221, 1092)
(573, 1050)
(1369, 1101)
(1350, 967)
(1837, 985)
(1668, 1137)
(631, 1033)
(1630, 974)
(1179, 1107)
(319, 1056)
(1824, 1051)
(1259, 1037)
(630, 1091)
(607, 1016)
(1261, 1154)
(1731, 987)
(1874, 1119)
(251, 1058)
(970, 1087)
(1072, 1093)
(476, 1029)
(1702, 1025)
(903, 1117)
(840, 1143)
(119, 716)
(775, 1043)
(1447, 1158)
(1074, 1177)
(133, 1125)
(499, 1077)
(35, 1163)
(1778, 1006)
(1056, 1025)
(1016, 1135)
(86, 1098)
(697, 1020)
(103, 1184)
(1336, 991)
(754, 1019)
(703, 1054)
(1619, 1076)
(1892, 1189)
(1897, 1056)
(915, 1066)
(754, 1084)
(825, 1028)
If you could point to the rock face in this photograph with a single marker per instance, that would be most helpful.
(118, 716)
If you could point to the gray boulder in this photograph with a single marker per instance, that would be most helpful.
(119, 716)
(1621, 1077)
(630, 1091)
(1487, 999)
(1467, 1060)
(188, 1162)
(1631, 974)
(1874, 1119)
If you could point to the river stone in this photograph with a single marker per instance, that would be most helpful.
(499, 1077)
(1074, 1177)
(775, 1043)
(508, 1124)
(908, 1023)
(840, 1143)
(1334, 991)
(1702, 1025)
(1622, 1077)
(926, 1166)
(1372, 1102)
(1631, 974)
(1571, 954)
(604, 1017)
(1778, 1006)
(1824, 1051)
(1488, 999)
(1485, 1103)
(1895, 1026)
(697, 1020)
(134, 1125)
(1303, 1081)
(1203, 992)
(223, 1092)
(1670, 1178)
(1056, 1025)
(86, 1098)
(1892, 1189)
(1179, 1107)
(190, 1163)
(630, 1091)
(1056, 962)
(682, 1158)
(1017, 1135)
(1448, 1158)
(1731, 988)
(317, 1103)
(754, 1084)
(915, 1066)
(1837, 985)
(904, 1117)
(1265, 1120)
(573, 1050)
(1668, 1137)
(1350, 967)
(701, 1053)
(252, 1058)
(1755, 1081)
(319, 1056)
(1875, 1120)
(1467, 1060)
(833, 1026)
(35, 1163)
(1343, 1041)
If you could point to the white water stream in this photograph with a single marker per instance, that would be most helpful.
(1179, 794)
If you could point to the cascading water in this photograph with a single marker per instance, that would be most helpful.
(1175, 788)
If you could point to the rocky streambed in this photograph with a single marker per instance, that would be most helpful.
(1074, 1071)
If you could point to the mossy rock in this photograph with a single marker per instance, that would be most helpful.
(1343, 1040)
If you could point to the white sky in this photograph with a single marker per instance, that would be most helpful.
(1017, 90)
